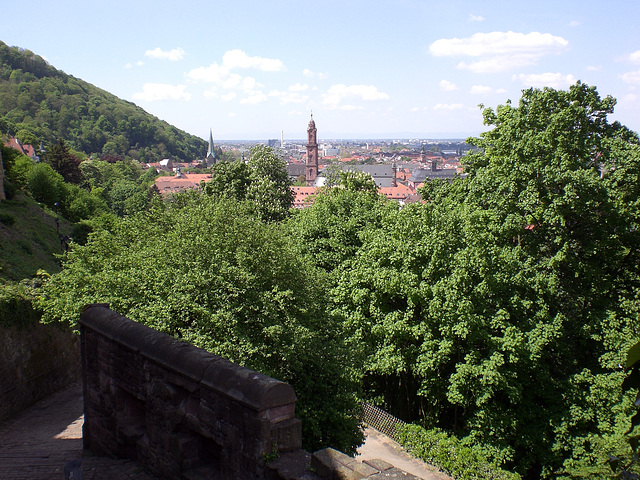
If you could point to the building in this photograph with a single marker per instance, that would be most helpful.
(419, 177)
(296, 170)
(180, 181)
(312, 153)
(304, 196)
(210, 159)
(27, 150)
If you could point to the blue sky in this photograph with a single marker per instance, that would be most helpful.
(251, 69)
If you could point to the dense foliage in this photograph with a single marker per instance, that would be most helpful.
(208, 270)
(503, 307)
(41, 104)
(448, 454)
(263, 180)
(498, 311)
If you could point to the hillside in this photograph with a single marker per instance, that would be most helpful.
(39, 103)
(28, 239)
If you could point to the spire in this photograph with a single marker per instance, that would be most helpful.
(211, 152)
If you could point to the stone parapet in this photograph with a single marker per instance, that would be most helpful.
(177, 409)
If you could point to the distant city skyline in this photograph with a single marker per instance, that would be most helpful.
(250, 70)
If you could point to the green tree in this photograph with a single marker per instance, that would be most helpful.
(205, 269)
(270, 186)
(64, 162)
(45, 185)
(502, 308)
(229, 179)
(263, 180)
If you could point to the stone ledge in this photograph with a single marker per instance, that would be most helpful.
(251, 388)
(332, 464)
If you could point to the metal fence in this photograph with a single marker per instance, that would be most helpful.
(382, 421)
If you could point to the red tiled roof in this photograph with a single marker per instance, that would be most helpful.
(168, 185)
(401, 192)
(27, 150)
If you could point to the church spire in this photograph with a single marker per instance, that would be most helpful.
(211, 152)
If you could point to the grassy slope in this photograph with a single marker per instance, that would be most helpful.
(31, 243)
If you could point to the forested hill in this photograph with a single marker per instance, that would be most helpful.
(39, 103)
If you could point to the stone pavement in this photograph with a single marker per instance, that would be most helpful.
(38, 443)
(41, 440)
(378, 446)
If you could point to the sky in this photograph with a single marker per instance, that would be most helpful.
(257, 69)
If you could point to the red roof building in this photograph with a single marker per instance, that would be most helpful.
(401, 193)
(178, 183)
(27, 150)
(304, 196)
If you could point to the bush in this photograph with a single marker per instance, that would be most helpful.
(7, 219)
(46, 185)
(448, 454)
(16, 305)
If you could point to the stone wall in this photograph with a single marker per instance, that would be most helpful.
(178, 410)
(36, 360)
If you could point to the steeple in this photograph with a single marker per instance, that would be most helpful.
(312, 153)
(211, 152)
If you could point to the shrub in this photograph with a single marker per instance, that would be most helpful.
(448, 454)
(16, 305)
(7, 219)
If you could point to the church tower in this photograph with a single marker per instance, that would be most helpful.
(312, 153)
(211, 152)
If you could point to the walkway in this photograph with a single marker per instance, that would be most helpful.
(378, 445)
(38, 443)
(41, 440)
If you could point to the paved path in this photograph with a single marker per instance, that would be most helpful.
(378, 445)
(38, 443)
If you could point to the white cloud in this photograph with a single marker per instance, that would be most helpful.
(631, 98)
(594, 68)
(476, 18)
(448, 106)
(539, 80)
(292, 95)
(152, 92)
(447, 86)
(222, 76)
(634, 57)
(239, 59)
(481, 89)
(173, 55)
(254, 98)
(228, 97)
(310, 74)
(574, 23)
(298, 87)
(288, 97)
(499, 51)
(350, 107)
(337, 93)
(631, 77)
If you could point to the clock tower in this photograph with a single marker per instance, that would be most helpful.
(312, 153)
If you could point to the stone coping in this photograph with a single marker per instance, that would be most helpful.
(254, 389)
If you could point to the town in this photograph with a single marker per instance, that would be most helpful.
(398, 167)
